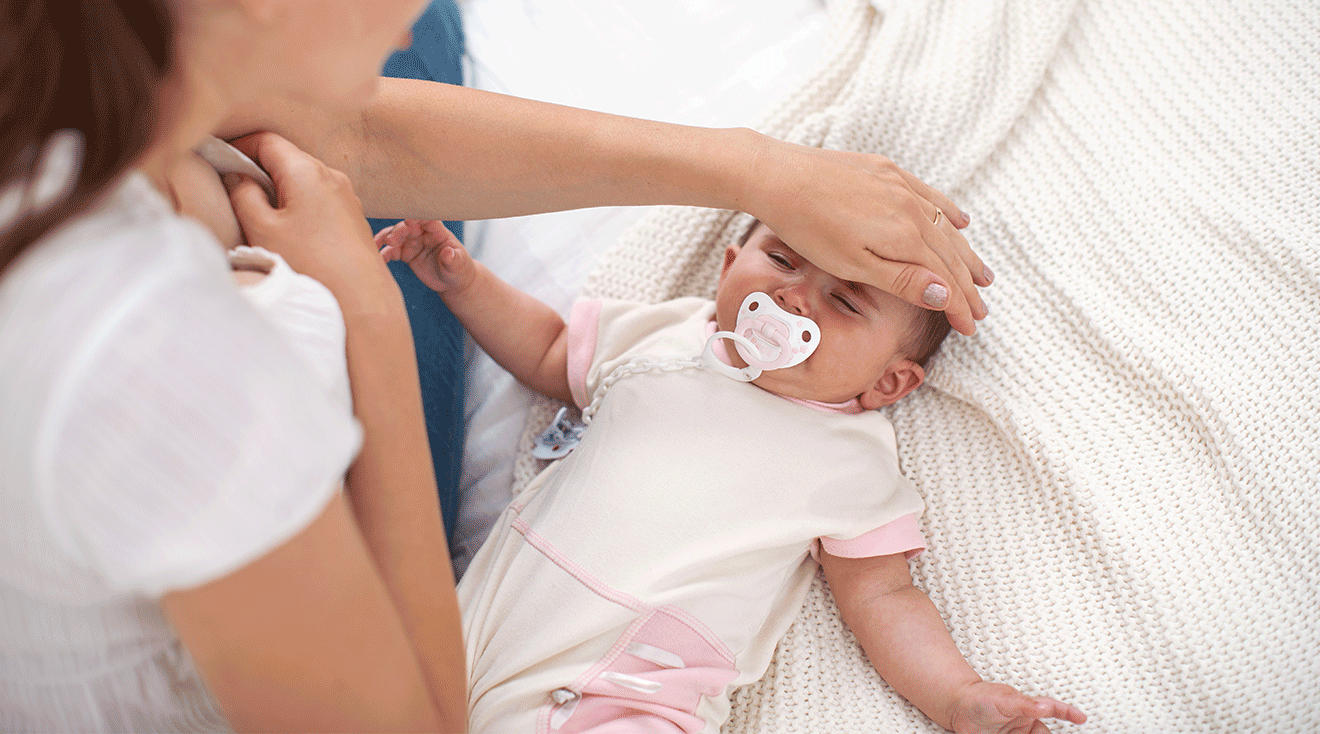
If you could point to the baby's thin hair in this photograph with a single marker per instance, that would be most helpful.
(747, 233)
(929, 330)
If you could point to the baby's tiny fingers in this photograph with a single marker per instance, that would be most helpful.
(393, 234)
(1055, 709)
(411, 248)
(451, 258)
(382, 237)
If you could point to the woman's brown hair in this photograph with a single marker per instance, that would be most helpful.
(94, 66)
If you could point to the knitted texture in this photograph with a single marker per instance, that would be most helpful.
(1119, 466)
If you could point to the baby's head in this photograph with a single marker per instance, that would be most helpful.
(873, 345)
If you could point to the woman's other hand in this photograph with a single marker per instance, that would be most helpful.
(318, 226)
(863, 218)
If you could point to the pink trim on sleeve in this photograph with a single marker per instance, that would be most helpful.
(583, 326)
(897, 536)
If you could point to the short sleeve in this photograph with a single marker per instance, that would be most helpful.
(583, 327)
(186, 439)
(603, 333)
(898, 536)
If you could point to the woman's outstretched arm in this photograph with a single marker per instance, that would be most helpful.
(434, 151)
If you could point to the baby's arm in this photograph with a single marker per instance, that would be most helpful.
(526, 337)
(907, 642)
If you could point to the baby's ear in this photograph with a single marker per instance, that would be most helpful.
(899, 379)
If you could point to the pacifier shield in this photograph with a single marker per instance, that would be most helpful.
(781, 339)
(767, 338)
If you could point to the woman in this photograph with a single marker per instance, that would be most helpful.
(176, 552)
(172, 507)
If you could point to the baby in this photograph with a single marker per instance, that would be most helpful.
(637, 581)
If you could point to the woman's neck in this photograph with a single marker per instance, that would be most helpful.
(187, 182)
(190, 110)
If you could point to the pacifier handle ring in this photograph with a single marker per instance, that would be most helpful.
(712, 362)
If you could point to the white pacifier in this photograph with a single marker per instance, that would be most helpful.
(767, 338)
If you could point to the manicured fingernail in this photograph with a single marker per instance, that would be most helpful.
(966, 218)
(935, 295)
(987, 274)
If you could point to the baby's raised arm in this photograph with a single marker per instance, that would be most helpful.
(907, 642)
(526, 337)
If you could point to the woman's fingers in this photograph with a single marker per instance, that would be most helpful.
(863, 218)
(957, 219)
(955, 259)
(284, 161)
(941, 274)
(922, 286)
(958, 245)
(318, 227)
(926, 278)
(251, 205)
(956, 215)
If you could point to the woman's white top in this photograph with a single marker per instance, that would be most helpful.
(160, 430)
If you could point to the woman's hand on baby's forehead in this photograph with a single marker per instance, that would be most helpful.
(864, 219)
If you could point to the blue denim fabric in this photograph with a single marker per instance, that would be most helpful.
(436, 54)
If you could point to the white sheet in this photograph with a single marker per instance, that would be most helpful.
(676, 61)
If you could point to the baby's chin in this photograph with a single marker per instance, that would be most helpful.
(783, 384)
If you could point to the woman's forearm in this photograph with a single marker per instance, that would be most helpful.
(426, 150)
(392, 489)
(435, 151)
(504, 156)
(320, 231)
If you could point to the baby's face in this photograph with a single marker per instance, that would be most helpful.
(863, 330)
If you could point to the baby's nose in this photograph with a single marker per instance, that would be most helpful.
(792, 297)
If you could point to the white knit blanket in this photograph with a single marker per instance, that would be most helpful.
(1120, 467)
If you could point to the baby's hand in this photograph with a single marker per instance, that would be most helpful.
(432, 251)
(994, 707)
